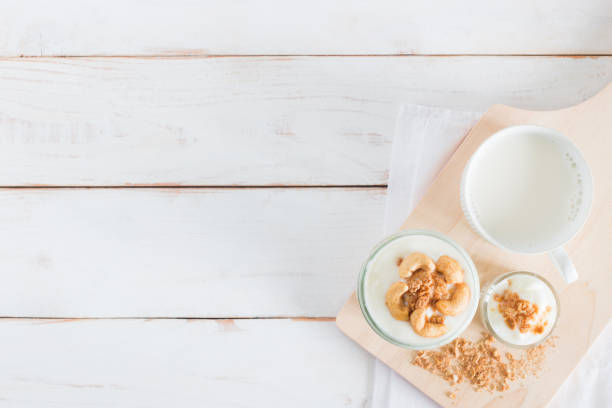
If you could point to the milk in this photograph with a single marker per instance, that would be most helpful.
(382, 271)
(532, 289)
(526, 190)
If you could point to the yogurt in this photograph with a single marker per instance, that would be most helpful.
(382, 270)
(529, 287)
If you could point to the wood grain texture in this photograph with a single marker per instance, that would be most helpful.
(186, 363)
(140, 27)
(247, 121)
(183, 252)
(585, 305)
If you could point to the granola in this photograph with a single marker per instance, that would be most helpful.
(480, 363)
(519, 313)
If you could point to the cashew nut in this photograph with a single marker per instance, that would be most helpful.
(457, 302)
(395, 303)
(450, 268)
(418, 320)
(433, 330)
(414, 262)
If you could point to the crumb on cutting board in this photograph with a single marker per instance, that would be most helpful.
(480, 363)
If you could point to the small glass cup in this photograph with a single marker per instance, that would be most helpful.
(470, 311)
(486, 299)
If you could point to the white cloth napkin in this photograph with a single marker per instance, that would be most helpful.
(424, 140)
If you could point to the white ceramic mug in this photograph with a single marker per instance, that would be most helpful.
(528, 189)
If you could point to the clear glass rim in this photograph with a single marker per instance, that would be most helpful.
(361, 288)
(486, 297)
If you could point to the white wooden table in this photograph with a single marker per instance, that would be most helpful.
(189, 187)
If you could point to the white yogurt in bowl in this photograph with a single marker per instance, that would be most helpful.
(531, 288)
(381, 270)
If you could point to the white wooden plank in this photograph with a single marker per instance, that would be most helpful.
(103, 27)
(180, 363)
(183, 252)
(247, 121)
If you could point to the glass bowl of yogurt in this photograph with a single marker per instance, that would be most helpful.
(380, 271)
(520, 309)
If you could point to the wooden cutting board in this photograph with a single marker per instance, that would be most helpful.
(586, 305)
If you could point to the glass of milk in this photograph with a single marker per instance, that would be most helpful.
(528, 189)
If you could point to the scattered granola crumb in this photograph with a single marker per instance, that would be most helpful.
(451, 395)
(480, 363)
(517, 312)
(436, 319)
(399, 261)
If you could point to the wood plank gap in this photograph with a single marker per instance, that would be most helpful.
(70, 319)
(178, 186)
(203, 56)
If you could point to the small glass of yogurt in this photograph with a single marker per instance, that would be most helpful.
(380, 270)
(520, 309)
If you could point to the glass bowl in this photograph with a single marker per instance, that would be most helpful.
(487, 298)
(380, 270)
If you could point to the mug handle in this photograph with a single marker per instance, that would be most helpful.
(564, 264)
